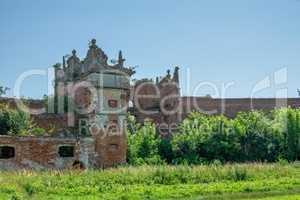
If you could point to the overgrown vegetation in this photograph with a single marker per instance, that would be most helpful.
(214, 141)
(143, 143)
(16, 122)
(156, 182)
(250, 137)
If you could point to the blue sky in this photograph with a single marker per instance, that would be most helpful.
(242, 41)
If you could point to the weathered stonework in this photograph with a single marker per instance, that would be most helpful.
(89, 131)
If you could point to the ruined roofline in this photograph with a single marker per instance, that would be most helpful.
(95, 61)
(161, 80)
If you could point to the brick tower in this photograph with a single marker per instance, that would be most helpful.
(95, 96)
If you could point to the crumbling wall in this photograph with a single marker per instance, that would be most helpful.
(49, 121)
(36, 152)
(53, 123)
(43, 152)
(156, 101)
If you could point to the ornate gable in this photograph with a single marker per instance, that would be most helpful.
(96, 59)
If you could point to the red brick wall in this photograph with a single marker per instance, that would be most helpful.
(111, 150)
(36, 152)
(148, 89)
(42, 152)
(230, 107)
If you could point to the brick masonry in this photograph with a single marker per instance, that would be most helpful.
(43, 152)
(229, 107)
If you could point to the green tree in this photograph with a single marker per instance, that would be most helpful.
(250, 136)
(223, 143)
(188, 144)
(203, 138)
(258, 140)
(290, 128)
(143, 143)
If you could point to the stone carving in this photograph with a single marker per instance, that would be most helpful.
(96, 59)
(73, 69)
(121, 60)
(168, 74)
(176, 75)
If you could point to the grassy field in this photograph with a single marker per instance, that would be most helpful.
(245, 181)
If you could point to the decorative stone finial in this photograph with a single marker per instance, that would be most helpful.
(121, 60)
(176, 75)
(64, 62)
(120, 55)
(93, 41)
(74, 52)
(168, 74)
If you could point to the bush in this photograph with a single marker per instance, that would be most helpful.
(250, 137)
(143, 143)
(15, 122)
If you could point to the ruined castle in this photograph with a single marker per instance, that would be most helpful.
(88, 113)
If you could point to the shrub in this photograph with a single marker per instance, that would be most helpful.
(143, 143)
(15, 122)
(250, 137)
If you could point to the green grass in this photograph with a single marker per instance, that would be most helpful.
(245, 181)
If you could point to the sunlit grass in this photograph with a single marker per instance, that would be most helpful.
(155, 182)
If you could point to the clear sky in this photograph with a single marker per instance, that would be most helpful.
(243, 41)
